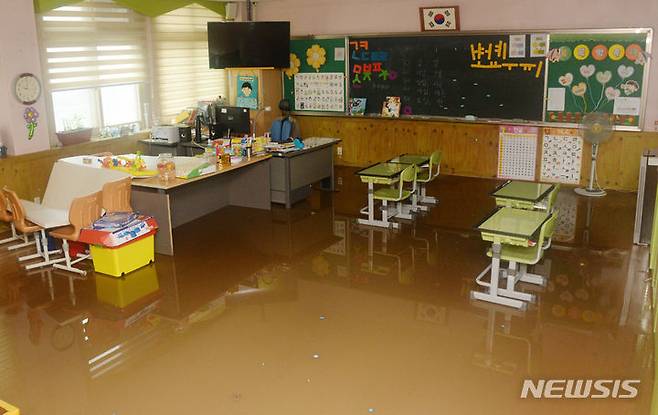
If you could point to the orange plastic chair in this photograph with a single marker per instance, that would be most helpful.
(7, 217)
(116, 196)
(26, 228)
(83, 212)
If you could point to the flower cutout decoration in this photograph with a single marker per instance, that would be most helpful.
(316, 56)
(31, 117)
(295, 63)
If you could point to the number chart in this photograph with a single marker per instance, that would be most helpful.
(517, 152)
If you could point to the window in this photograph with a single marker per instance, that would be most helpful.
(73, 109)
(180, 47)
(105, 65)
(95, 66)
(120, 104)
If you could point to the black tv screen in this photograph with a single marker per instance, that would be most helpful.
(249, 44)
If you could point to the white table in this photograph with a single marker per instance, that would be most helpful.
(44, 216)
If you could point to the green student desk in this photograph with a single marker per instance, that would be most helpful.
(385, 173)
(521, 195)
(510, 226)
(417, 159)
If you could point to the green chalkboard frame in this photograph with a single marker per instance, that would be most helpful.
(595, 96)
(298, 46)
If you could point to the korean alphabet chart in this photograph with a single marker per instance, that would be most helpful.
(320, 91)
(562, 155)
(517, 152)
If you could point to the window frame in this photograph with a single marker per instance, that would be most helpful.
(149, 88)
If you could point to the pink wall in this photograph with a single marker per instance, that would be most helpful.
(376, 16)
(19, 53)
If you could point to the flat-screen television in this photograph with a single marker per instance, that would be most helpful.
(249, 44)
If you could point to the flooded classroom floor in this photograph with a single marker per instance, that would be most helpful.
(304, 311)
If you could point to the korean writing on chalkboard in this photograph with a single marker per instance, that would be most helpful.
(367, 64)
(494, 56)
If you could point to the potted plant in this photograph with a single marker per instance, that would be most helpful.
(74, 131)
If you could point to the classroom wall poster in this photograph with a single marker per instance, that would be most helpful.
(538, 45)
(517, 152)
(247, 95)
(320, 91)
(517, 46)
(562, 155)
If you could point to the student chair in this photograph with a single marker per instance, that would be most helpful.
(397, 195)
(28, 228)
(83, 212)
(427, 175)
(116, 196)
(524, 256)
(7, 217)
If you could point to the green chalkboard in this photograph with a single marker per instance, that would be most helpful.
(449, 75)
(596, 72)
(315, 81)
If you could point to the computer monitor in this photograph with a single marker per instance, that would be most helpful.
(233, 120)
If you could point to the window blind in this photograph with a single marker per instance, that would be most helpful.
(180, 55)
(93, 43)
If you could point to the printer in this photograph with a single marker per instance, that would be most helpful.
(171, 134)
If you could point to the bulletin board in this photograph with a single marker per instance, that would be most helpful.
(315, 81)
(597, 72)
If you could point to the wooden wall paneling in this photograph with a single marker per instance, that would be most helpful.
(468, 149)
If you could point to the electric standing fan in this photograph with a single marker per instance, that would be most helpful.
(598, 129)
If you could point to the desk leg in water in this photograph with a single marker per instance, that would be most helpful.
(494, 294)
(156, 203)
(371, 206)
(386, 215)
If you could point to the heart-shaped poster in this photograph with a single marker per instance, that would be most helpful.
(604, 77)
(566, 79)
(630, 87)
(625, 71)
(612, 93)
(579, 89)
(587, 70)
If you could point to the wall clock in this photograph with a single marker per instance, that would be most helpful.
(439, 18)
(27, 89)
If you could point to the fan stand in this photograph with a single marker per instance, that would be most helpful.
(590, 190)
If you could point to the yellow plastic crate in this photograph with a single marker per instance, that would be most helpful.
(122, 292)
(125, 258)
(9, 409)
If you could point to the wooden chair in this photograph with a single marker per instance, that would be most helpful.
(83, 212)
(26, 228)
(7, 217)
(116, 196)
